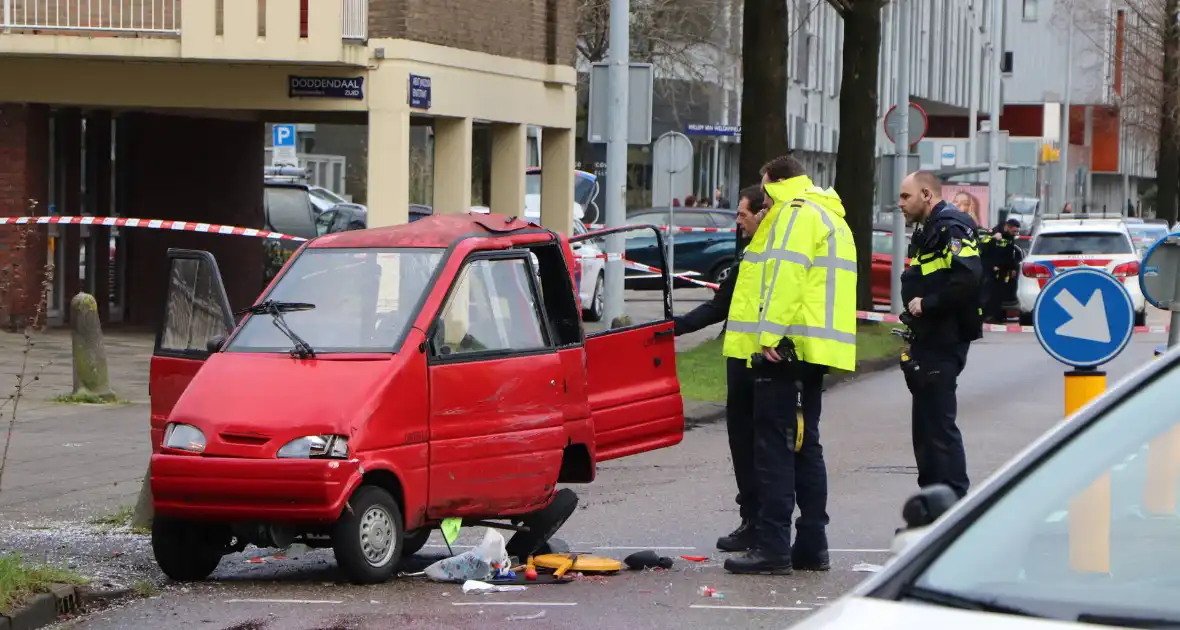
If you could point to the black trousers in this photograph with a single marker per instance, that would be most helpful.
(938, 444)
(771, 474)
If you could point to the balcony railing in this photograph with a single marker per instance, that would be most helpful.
(120, 16)
(148, 16)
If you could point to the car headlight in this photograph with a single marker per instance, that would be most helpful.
(184, 437)
(316, 447)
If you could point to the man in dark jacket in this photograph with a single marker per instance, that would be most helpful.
(739, 410)
(941, 293)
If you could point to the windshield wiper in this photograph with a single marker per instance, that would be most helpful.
(302, 350)
(951, 600)
(1125, 621)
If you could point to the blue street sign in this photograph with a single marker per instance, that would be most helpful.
(724, 131)
(1084, 317)
(284, 135)
(420, 92)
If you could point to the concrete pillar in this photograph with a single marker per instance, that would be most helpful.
(389, 167)
(557, 179)
(452, 165)
(509, 161)
(69, 137)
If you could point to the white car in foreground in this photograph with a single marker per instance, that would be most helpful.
(591, 274)
(1077, 531)
(1064, 244)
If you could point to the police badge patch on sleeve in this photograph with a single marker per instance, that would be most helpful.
(956, 245)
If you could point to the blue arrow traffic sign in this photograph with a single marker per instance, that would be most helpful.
(1084, 317)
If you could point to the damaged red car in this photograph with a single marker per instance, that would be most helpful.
(388, 379)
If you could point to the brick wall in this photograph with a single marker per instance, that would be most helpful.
(24, 161)
(192, 169)
(536, 30)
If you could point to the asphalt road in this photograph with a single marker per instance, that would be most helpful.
(676, 501)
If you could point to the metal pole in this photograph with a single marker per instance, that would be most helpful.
(973, 90)
(616, 153)
(1174, 327)
(993, 139)
(1066, 193)
(901, 141)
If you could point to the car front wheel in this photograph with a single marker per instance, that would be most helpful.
(187, 551)
(369, 536)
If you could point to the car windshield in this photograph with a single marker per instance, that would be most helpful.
(1088, 532)
(364, 299)
(1081, 243)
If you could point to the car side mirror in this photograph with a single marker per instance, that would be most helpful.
(927, 505)
(214, 344)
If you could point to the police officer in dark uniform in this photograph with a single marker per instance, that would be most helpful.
(941, 292)
(739, 402)
(1001, 259)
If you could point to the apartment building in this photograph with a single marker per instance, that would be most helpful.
(155, 109)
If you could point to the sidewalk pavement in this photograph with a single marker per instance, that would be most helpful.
(67, 461)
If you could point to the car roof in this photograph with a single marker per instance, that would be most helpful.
(1058, 226)
(438, 230)
(679, 210)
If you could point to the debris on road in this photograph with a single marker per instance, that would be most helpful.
(709, 591)
(695, 558)
(479, 563)
(865, 567)
(540, 615)
(648, 560)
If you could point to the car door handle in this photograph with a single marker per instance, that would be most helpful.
(665, 333)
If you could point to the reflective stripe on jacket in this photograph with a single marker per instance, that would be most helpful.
(798, 280)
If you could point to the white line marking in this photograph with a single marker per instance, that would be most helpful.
(712, 607)
(514, 603)
(645, 548)
(283, 601)
(859, 550)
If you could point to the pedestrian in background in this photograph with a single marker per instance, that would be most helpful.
(793, 310)
(941, 292)
(718, 201)
(739, 411)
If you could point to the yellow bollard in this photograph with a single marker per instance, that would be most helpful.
(1089, 512)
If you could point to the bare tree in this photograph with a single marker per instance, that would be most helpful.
(1140, 40)
(856, 156)
(682, 39)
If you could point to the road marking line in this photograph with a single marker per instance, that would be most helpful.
(514, 603)
(715, 607)
(283, 601)
(860, 550)
(644, 548)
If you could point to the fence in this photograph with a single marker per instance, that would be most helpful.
(131, 16)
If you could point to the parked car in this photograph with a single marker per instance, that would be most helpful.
(1076, 531)
(1061, 244)
(388, 379)
(882, 271)
(585, 191)
(1023, 209)
(1145, 232)
(589, 274)
(708, 255)
(324, 199)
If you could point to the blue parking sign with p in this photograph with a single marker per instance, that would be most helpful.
(284, 135)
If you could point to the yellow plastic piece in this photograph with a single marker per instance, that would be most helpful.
(1089, 511)
(582, 564)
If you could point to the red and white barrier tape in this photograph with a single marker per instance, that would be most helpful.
(1002, 328)
(665, 228)
(642, 267)
(156, 224)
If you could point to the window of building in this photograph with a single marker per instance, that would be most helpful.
(1029, 10)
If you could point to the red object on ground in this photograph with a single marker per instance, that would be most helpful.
(695, 558)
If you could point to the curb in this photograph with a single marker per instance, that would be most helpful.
(43, 609)
(697, 413)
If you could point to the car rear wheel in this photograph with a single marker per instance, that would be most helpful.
(594, 313)
(543, 524)
(187, 551)
(369, 537)
(721, 272)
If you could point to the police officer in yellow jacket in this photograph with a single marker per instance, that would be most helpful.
(940, 290)
(793, 311)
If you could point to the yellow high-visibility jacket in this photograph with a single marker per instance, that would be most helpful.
(798, 280)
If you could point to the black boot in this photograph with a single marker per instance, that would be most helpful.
(755, 562)
(741, 539)
(807, 560)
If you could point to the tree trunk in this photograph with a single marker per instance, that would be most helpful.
(764, 86)
(1168, 157)
(856, 159)
(91, 379)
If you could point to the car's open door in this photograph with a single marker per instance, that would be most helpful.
(196, 316)
(631, 372)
